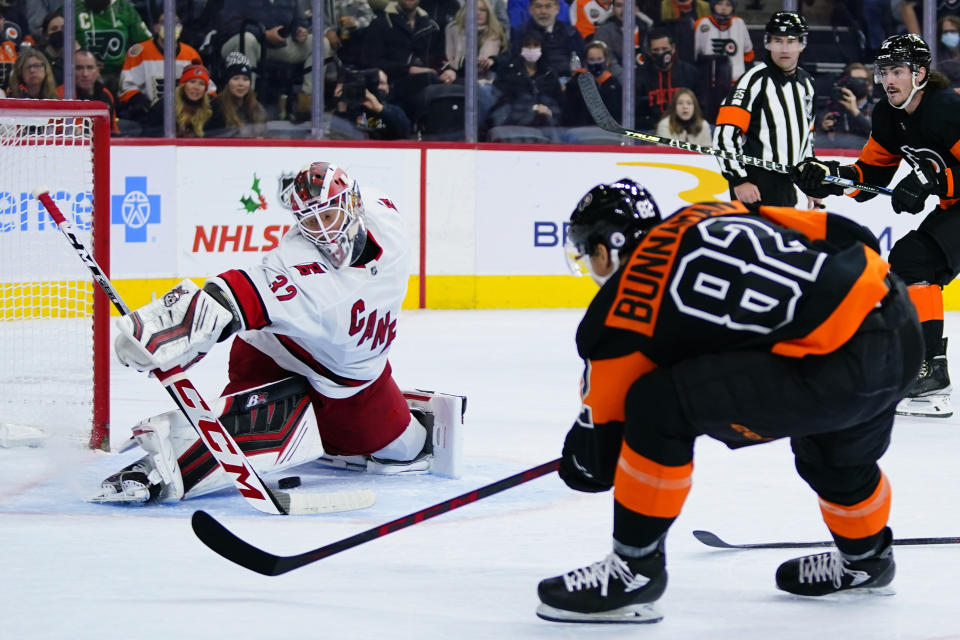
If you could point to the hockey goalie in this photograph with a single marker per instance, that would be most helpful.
(308, 375)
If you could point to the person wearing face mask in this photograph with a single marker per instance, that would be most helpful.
(597, 60)
(141, 79)
(949, 49)
(723, 34)
(660, 76)
(108, 28)
(684, 120)
(560, 41)
(51, 42)
(529, 90)
(845, 119)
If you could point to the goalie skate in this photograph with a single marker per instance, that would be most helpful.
(441, 414)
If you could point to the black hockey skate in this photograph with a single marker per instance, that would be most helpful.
(616, 589)
(826, 573)
(929, 395)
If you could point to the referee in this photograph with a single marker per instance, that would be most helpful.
(769, 114)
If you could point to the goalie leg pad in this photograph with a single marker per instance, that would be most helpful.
(446, 436)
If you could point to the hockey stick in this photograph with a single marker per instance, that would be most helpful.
(216, 438)
(712, 540)
(221, 540)
(601, 115)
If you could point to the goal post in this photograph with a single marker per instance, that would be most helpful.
(54, 322)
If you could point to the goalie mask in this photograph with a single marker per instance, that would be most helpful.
(615, 215)
(329, 211)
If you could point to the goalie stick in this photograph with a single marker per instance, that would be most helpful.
(216, 438)
(601, 115)
(713, 540)
(221, 540)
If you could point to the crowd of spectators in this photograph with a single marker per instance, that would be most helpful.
(391, 67)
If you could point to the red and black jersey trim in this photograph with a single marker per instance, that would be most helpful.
(196, 463)
(304, 356)
(250, 305)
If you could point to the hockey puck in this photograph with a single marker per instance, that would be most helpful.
(289, 482)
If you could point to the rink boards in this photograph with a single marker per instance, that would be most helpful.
(487, 224)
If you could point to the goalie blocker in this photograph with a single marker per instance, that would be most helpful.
(276, 428)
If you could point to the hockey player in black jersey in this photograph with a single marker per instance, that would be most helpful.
(746, 326)
(920, 123)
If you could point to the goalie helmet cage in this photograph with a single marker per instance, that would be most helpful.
(54, 322)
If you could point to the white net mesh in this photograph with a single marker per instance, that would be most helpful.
(46, 295)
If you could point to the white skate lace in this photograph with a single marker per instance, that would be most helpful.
(598, 574)
(830, 567)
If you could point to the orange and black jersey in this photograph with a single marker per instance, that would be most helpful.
(716, 277)
(932, 132)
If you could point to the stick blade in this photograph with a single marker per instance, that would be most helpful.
(594, 101)
(711, 539)
(220, 540)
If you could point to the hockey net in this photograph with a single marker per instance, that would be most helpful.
(54, 323)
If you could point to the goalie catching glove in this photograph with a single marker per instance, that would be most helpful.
(176, 330)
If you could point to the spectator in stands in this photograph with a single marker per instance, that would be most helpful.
(281, 27)
(37, 12)
(8, 56)
(587, 14)
(13, 23)
(408, 45)
(575, 112)
(141, 79)
(373, 115)
(724, 35)
(32, 76)
(530, 91)
(518, 12)
(845, 121)
(108, 28)
(561, 42)
(660, 76)
(192, 106)
(949, 47)
(51, 42)
(86, 70)
(678, 18)
(345, 28)
(236, 111)
(491, 42)
(441, 11)
(611, 32)
(684, 121)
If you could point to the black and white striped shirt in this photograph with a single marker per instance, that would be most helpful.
(769, 115)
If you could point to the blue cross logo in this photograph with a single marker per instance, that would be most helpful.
(135, 209)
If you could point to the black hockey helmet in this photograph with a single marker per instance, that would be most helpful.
(786, 23)
(616, 215)
(908, 48)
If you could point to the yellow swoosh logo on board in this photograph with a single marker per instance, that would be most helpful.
(710, 182)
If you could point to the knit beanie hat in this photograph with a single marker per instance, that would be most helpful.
(237, 64)
(195, 70)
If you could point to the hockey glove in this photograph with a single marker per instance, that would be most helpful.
(581, 459)
(911, 193)
(809, 174)
(176, 330)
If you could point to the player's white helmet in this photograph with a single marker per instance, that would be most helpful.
(329, 211)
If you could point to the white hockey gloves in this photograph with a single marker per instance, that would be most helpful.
(175, 330)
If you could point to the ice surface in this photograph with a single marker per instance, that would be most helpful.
(69, 569)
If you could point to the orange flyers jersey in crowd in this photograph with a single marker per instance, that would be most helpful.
(717, 277)
(585, 15)
(143, 69)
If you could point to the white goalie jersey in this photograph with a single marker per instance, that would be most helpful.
(334, 327)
